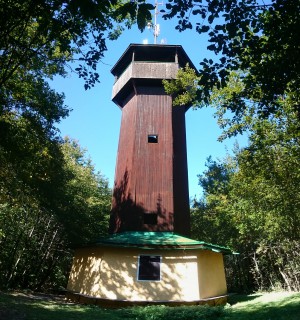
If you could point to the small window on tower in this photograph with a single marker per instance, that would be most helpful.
(152, 138)
(149, 268)
(150, 218)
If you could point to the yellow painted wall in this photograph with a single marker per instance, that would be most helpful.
(111, 273)
(211, 274)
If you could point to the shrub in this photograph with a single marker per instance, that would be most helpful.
(176, 313)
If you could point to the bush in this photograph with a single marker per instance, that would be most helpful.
(176, 313)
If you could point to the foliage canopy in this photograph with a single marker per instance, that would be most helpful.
(49, 189)
(251, 203)
(257, 39)
(50, 197)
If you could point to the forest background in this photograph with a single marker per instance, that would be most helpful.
(52, 198)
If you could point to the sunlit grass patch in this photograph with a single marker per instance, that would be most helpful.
(266, 306)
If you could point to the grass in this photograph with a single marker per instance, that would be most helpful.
(261, 306)
(267, 306)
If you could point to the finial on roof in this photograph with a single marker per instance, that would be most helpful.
(155, 26)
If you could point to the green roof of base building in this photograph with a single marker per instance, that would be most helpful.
(156, 240)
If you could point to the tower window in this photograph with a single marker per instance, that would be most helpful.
(152, 138)
(150, 218)
(149, 268)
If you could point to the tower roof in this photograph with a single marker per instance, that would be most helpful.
(151, 52)
(146, 65)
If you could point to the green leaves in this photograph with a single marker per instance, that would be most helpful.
(260, 39)
(43, 38)
(87, 196)
(50, 194)
(50, 199)
(251, 200)
(184, 87)
(144, 15)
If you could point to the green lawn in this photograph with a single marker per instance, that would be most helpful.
(261, 306)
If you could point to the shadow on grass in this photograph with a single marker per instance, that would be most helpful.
(285, 306)
(238, 298)
(45, 307)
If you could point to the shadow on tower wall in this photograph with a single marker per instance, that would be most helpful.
(127, 215)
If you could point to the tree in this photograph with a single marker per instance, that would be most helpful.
(47, 205)
(211, 211)
(42, 36)
(51, 197)
(251, 203)
(39, 39)
(260, 40)
(87, 197)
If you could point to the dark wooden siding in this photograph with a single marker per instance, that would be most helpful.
(153, 161)
(147, 173)
(180, 173)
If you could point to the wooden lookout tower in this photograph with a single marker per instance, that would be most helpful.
(151, 181)
(147, 256)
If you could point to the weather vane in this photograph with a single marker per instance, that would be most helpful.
(155, 26)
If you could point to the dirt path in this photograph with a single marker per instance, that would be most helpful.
(40, 296)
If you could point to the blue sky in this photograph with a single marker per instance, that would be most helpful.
(95, 119)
